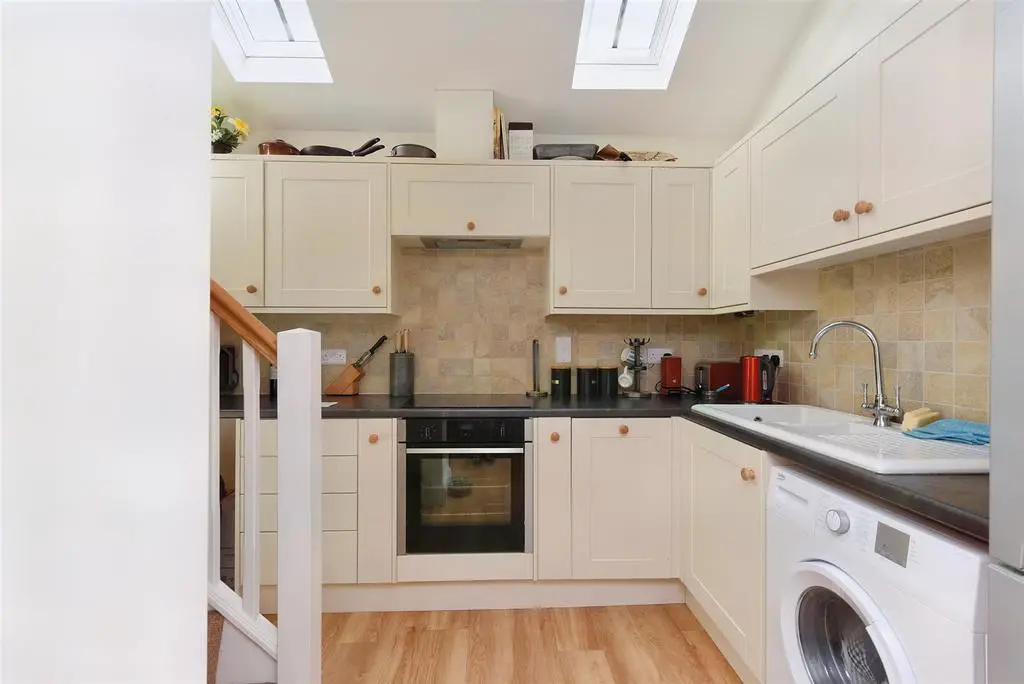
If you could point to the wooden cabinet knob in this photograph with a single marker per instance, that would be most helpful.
(703, 291)
(555, 437)
(562, 290)
(376, 289)
(374, 438)
(470, 226)
(623, 429)
(748, 474)
(251, 289)
(840, 215)
(863, 207)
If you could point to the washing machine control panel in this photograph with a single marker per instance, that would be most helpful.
(837, 521)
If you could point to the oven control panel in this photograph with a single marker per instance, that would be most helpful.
(465, 431)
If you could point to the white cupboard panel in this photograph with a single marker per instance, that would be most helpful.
(681, 239)
(338, 512)
(236, 227)
(925, 102)
(376, 500)
(339, 437)
(340, 474)
(601, 237)
(730, 230)
(339, 558)
(553, 520)
(468, 201)
(803, 168)
(327, 235)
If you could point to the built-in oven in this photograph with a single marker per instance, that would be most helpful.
(465, 485)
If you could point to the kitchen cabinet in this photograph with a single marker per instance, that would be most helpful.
(803, 180)
(730, 230)
(601, 237)
(925, 107)
(722, 502)
(470, 201)
(554, 495)
(680, 238)
(376, 502)
(621, 498)
(236, 227)
(327, 235)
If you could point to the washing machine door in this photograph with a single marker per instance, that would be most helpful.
(834, 633)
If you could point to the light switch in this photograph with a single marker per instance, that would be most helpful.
(563, 350)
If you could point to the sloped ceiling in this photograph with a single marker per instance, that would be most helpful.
(387, 59)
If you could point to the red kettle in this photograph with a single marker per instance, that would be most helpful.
(757, 378)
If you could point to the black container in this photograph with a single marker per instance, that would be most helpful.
(402, 366)
(608, 382)
(587, 383)
(561, 383)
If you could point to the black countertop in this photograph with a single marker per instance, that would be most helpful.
(959, 502)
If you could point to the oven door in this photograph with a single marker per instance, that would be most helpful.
(463, 500)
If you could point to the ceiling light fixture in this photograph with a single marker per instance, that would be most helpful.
(269, 41)
(630, 44)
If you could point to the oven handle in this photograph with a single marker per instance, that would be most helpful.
(469, 451)
(402, 487)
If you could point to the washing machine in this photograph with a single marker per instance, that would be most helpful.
(860, 594)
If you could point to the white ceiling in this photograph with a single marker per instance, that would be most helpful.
(388, 57)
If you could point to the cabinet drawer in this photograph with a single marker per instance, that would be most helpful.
(469, 201)
(338, 437)
(340, 475)
(338, 513)
(339, 558)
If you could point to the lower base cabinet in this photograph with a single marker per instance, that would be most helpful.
(722, 487)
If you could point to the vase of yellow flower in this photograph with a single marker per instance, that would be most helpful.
(226, 132)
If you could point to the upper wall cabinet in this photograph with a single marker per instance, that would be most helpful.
(804, 173)
(467, 201)
(681, 236)
(730, 233)
(925, 100)
(601, 237)
(236, 224)
(327, 237)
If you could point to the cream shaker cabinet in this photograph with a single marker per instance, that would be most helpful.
(722, 500)
(601, 237)
(327, 235)
(470, 201)
(621, 498)
(730, 230)
(553, 496)
(236, 227)
(680, 239)
(925, 108)
(803, 179)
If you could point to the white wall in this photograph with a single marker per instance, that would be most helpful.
(105, 233)
(836, 30)
(690, 152)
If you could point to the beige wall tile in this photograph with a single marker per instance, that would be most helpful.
(972, 391)
(972, 358)
(938, 294)
(938, 356)
(911, 265)
(939, 388)
(939, 325)
(938, 261)
(972, 323)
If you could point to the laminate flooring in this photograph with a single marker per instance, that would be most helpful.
(661, 644)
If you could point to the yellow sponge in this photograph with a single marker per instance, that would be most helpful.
(919, 418)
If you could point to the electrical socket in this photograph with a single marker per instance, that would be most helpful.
(654, 354)
(772, 352)
(334, 357)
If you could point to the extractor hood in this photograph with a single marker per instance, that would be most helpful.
(450, 243)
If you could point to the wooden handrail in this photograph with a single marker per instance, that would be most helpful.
(248, 327)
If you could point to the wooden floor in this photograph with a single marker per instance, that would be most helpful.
(621, 645)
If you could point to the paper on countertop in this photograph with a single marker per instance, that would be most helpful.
(325, 404)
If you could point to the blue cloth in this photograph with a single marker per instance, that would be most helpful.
(953, 430)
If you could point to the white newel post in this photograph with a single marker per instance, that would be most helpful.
(299, 526)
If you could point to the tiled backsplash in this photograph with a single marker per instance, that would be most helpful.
(472, 316)
(930, 310)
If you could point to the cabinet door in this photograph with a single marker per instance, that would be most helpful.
(722, 559)
(376, 500)
(327, 239)
(601, 237)
(553, 520)
(467, 201)
(680, 238)
(236, 227)
(925, 98)
(621, 498)
(803, 168)
(730, 230)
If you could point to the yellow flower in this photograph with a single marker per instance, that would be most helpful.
(241, 127)
(216, 111)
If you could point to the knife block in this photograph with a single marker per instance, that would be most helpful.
(347, 382)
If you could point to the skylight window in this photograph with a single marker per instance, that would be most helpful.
(269, 41)
(630, 44)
